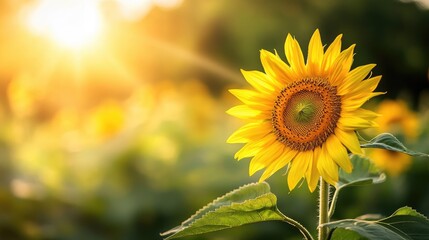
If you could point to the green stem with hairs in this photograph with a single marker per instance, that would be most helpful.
(323, 208)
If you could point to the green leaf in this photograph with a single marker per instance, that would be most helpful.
(405, 223)
(344, 234)
(389, 142)
(364, 172)
(249, 204)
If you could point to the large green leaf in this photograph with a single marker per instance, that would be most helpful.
(364, 172)
(249, 204)
(405, 223)
(344, 234)
(389, 142)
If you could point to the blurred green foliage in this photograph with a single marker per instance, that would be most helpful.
(168, 156)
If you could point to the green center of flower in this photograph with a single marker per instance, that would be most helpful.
(306, 113)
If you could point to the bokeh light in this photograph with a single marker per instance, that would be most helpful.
(72, 23)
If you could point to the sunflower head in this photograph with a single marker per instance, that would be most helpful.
(304, 114)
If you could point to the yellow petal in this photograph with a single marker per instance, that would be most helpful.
(257, 163)
(250, 131)
(332, 53)
(355, 123)
(363, 113)
(327, 167)
(341, 66)
(243, 112)
(298, 168)
(365, 86)
(254, 99)
(276, 68)
(349, 139)
(354, 77)
(279, 163)
(338, 153)
(294, 55)
(315, 54)
(312, 174)
(250, 149)
(259, 81)
(266, 156)
(353, 102)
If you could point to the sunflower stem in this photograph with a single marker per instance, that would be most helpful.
(323, 208)
(333, 203)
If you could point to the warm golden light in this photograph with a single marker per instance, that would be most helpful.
(71, 23)
(135, 9)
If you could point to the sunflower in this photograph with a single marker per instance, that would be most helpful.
(397, 117)
(304, 115)
(392, 162)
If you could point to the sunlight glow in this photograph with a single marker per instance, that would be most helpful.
(135, 9)
(71, 23)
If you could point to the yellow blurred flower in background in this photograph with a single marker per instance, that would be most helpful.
(106, 120)
(22, 96)
(395, 117)
(392, 162)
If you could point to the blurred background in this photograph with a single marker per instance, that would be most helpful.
(112, 112)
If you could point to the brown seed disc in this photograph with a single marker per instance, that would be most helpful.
(306, 113)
